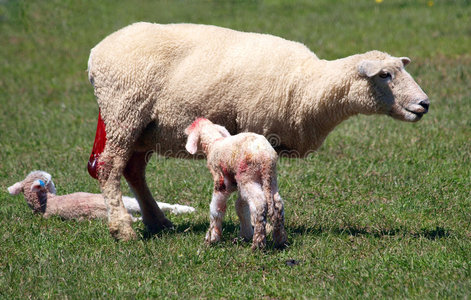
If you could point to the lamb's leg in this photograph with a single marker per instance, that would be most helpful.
(152, 215)
(278, 218)
(252, 192)
(112, 165)
(243, 212)
(217, 212)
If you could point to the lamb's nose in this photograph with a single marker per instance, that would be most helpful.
(425, 104)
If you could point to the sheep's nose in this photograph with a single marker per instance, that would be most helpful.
(425, 104)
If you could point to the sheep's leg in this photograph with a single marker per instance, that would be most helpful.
(243, 212)
(112, 165)
(135, 174)
(252, 192)
(217, 212)
(278, 217)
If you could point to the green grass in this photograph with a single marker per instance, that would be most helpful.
(381, 210)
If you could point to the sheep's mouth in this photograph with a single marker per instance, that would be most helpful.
(417, 113)
(407, 114)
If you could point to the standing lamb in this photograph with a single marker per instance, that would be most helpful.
(40, 194)
(152, 80)
(246, 162)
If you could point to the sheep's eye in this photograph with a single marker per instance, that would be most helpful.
(385, 75)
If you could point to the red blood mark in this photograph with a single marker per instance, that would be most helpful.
(227, 174)
(243, 166)
(222, 185)
(195, 123)
(98, 147)
(224, 169)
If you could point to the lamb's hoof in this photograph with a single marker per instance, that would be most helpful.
(212, 237)
(259, 242)
(122, 232)
(281, 240)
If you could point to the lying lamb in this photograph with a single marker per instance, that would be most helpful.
(40, 194)
(246, 162)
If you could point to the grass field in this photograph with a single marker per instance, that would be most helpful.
(382, 210)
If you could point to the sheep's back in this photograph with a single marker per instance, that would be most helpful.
(178, 72)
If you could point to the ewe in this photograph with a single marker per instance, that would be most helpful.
(40, 194)
(152, 80)
(246, 162)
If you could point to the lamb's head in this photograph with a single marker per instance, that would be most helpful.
(201, 133)
(390, 88)
(35, 188)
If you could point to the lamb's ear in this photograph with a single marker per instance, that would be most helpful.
(405, 60)
(222, 130)
(192, 142)
(16, 188)
(369, 68)
(51, 187)
(37, 185)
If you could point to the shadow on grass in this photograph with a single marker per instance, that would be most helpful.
(187, 226)
(431, 234)
(231, 231)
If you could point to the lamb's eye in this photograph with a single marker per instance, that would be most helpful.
(385, 75)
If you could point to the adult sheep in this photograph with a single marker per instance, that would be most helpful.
(151, 81)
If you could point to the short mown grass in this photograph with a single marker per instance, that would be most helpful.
(382, 210)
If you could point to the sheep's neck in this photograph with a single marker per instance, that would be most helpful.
(332, 104)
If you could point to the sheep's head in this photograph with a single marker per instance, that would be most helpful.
(201, 133)
(35, 188)
(393, 90)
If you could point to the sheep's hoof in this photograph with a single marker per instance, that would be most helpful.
(167, 224)
(258, 246)
(158, 226)
(246, 236)
(246, 233)
(122, 232)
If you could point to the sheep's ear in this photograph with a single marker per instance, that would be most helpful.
(222, 130)
(192, 142)
(37, 185)
(405, 60)
(369, 68)
(16, 188)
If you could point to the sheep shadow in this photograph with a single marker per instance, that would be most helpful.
(352, 230)
(231, 232)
